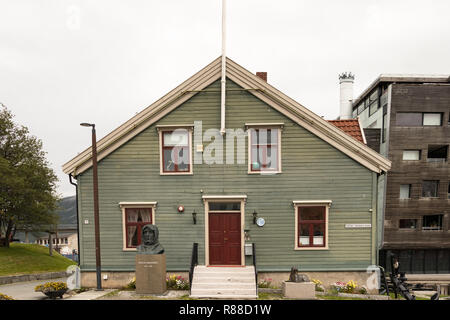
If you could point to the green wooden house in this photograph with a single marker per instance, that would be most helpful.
(264, 170)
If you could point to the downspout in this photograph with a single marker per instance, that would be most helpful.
(223, 80)
(78, 221)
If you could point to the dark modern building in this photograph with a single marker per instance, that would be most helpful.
(407, 119)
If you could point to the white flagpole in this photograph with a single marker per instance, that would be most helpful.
(223, 81)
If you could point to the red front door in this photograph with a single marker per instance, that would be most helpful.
(225, 238)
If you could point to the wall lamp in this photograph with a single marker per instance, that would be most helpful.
(254, 216)
(194, 217)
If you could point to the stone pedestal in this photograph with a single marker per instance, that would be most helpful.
(151, 273)
(299, 290)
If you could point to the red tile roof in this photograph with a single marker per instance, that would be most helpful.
(351, 127)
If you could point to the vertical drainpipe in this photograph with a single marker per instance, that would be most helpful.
(78, 221)
(223, 80)
(374, 258)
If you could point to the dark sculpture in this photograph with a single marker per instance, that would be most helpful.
(296, 277)
(150, 243)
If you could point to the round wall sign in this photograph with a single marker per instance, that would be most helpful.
(260, 222)
(180, 209)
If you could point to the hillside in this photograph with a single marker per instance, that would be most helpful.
(30, 258)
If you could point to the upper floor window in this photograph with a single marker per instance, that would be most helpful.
(265, 150)
(430, 188)
(176, 157)
(411, 154)
(417, 119)
(407, 223)
(432, 119)
(405, 191)
(437, 153)
(432, 222)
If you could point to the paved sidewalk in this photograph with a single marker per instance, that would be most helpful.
(25, 290)
(90, 295)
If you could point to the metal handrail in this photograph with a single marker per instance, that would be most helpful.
(194, 262)
(254, 265)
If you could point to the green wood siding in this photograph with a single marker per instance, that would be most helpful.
(311, 170)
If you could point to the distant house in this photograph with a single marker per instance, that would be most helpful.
(313, 185)
(66, 239)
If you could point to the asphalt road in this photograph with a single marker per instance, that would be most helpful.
(25, 290)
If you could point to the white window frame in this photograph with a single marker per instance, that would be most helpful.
(165, 128)
(312, 203)
(249, 126)
(127, 205)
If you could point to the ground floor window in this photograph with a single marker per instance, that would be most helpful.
(311, 225)
(135, 217)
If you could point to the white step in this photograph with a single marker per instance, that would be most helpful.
(222, 291)
(224, 296)
(224, 282)
(224, 285)
(215, 279)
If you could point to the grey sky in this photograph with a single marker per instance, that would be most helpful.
(63, 62)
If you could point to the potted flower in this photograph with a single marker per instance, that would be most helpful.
(52, 289)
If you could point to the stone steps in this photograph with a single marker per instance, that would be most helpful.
(224, 282)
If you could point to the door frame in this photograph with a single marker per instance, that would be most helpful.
(239, 198)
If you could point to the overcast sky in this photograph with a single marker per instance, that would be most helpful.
(63, 62)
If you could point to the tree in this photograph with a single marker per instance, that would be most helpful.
(27, 183)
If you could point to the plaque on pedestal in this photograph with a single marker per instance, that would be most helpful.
(151, 273)
(150, 263)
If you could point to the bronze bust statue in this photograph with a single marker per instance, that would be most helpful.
(150, 243)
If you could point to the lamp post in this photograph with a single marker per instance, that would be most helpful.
(96, 210)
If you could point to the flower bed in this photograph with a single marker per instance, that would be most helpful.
(5, 297)
(265, 283)
(175, 282)
(52, 289)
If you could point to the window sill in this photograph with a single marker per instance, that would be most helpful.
(176, 173)
(310, 248)
(264, 173)
(428, 198)
(129, 249)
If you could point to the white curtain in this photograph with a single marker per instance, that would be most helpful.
(132, 216)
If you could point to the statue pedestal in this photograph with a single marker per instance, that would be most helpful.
(151, 273)
(299, 290)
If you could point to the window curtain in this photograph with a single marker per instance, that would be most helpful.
(146, 215)
(132, 216)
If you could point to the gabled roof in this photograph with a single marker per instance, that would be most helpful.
(247, 80)
(351, 127)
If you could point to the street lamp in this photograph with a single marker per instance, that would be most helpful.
(96, 210)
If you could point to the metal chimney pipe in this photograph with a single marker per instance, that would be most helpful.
(346, 95)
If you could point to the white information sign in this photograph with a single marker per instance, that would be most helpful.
(358, 225)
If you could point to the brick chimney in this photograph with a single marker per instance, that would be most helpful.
(262, 75)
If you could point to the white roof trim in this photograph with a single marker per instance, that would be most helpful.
(268, 94)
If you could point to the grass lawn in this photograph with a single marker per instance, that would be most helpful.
(22, 258)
